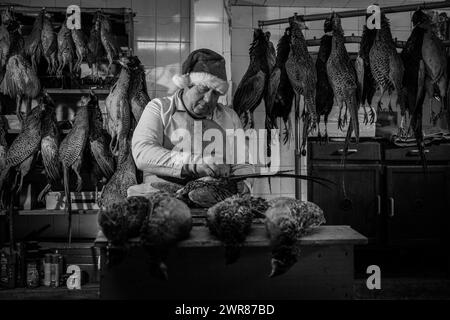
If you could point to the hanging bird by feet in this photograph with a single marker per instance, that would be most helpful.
(33, 45)
(324, 91)
(81, 49)
(386, 65)
(108, 39)
(343, 80)
(95, 47)
(66, 49)
(118, 107)
(250, 90)
(50, 147)
(49, 43)
(302, 75)
(366, 82)
(270, 91)
(435, 60)
(138, 89)
(287, 220)
(98, 144)
(282, 105)
(123, 178)
(71, 150)
(23, 150)
(414, 84)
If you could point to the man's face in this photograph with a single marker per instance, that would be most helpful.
(200, 100)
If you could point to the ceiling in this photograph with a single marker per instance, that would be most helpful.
(324, 3)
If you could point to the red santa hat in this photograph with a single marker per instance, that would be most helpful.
(203, 67)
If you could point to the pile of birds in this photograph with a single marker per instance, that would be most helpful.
(161, 221)
(280, 78)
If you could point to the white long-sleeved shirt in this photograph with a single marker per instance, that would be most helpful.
(156, 139)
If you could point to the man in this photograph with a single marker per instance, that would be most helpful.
(167, 121)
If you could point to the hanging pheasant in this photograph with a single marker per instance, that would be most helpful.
(250, 91)
(342, 76)
(282, 105)
(324, 91)
(302, 75)
(385, 63)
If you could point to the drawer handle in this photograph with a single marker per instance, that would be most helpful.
(415, 152)
(378, 205)
(392, 206)
(349, 151)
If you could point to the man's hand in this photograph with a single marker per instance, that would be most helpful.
(242, 188)
(209, 168)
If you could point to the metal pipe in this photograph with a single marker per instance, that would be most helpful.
(29, 9)
(357, 39)
(361, 12)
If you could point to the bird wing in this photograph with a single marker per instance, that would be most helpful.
(359, 67)
(103, 157)
(50, 158)
(249, 92)
(271, 92)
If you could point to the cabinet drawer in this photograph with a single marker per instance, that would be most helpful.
(334, 151)
(432, 153)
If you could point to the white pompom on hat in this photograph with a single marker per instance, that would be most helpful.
(203, 67)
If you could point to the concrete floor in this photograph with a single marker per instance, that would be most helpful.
(405, 289)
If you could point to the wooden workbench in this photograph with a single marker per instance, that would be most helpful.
(197, 269)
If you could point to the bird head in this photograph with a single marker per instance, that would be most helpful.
(280, 267)
(335, 22)
(419, 17)
(327, 25)
(298, 21)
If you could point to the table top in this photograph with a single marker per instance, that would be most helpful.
(323, 235)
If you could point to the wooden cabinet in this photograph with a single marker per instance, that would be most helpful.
(418, 204)
(361, 207)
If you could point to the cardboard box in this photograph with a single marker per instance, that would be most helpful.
(86, 200)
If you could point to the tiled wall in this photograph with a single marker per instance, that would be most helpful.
(245, 18)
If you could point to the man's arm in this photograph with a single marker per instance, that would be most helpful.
(148, 153)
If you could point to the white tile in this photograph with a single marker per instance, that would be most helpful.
(400, 21)
(350, 23)
(91, 3)
(118, 3)
(146, 52)
(286, 12)
(208, 10)
(240, 41)
(145, 28)
(239, 65)
(184, 51)
(400, 34)
(164, 77)
(46, 3)
(241, 17)
(144, 7)
(185, 8)
(185, 29)
(278, 2)
(168, 28)
(167, 54)
(208, 35)
(265, 13)
(165, 8)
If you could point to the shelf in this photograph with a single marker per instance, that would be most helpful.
(45, 212)
(77, 91)
(88, 292)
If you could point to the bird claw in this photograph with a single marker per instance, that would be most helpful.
(372, 115)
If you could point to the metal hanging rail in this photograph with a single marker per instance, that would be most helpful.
(51, 9)
(361, 12)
